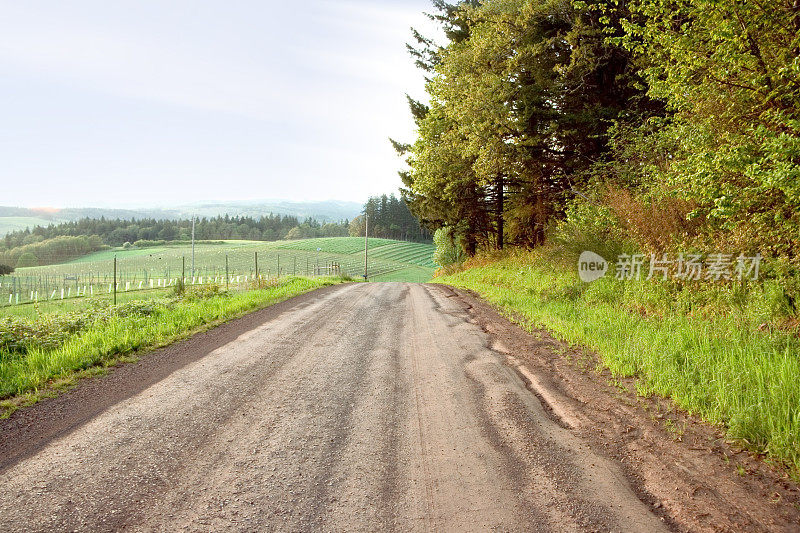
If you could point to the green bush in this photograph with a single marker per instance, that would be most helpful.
(144, 243)
(200, 292)
(27, 260)
(588, 225)
(448, 251)
(51, 251)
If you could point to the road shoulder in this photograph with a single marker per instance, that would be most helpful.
(682, 467)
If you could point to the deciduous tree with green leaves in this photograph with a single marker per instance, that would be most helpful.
(729, 72)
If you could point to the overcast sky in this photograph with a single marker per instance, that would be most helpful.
(166, 102)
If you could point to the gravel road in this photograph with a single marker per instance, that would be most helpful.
(364, 407)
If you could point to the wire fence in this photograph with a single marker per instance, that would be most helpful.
(118, 277)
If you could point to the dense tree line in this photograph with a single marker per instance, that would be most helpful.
(117, 232)
(47, 252)
(664, 123)
(389, 218)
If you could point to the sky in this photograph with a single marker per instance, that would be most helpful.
(136, 103)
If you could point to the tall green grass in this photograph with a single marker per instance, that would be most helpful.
(711, 349)
(106, 341)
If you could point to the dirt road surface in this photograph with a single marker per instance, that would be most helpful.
(362, 407)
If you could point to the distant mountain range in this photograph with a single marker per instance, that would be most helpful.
(15, 218)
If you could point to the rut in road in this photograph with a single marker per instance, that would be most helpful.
(373, 407)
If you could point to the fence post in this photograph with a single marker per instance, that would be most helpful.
(226, 272)
(279, 265)
(256, 267)
(115, 280)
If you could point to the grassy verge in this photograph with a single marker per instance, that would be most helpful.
(38, 370)
(711, 349)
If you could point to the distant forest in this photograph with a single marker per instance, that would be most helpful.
(388, 218)
(117, 232)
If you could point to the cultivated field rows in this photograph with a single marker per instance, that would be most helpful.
(153, 268)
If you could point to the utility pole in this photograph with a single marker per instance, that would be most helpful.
(366, 242)
(193, 246)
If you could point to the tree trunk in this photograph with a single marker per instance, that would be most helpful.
(499, 208)
(472, 246)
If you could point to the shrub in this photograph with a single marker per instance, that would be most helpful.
(656, 225)
(179, 288)
(265, 283)
(6, 270)
(448, 251)
(144, 243)
(591, 225)
(27, 260)
(200, 292)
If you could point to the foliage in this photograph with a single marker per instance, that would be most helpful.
(6, 269)
(145, 243)
(27, 259)
(50, 251)
(588, 224)
(179, 289)
(678, 111)
(447, 252)
(117, 232)
(522, 100)
(729, 73)
(51, 330)
(198, 292)
(389, 218)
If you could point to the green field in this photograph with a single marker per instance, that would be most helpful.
(137, 269)
(9, 224)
